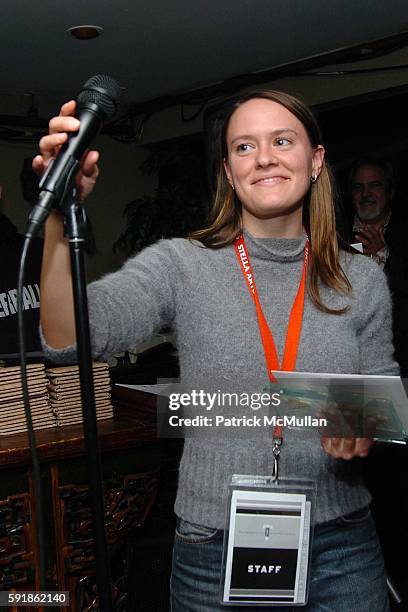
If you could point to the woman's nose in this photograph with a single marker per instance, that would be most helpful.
(266, 156)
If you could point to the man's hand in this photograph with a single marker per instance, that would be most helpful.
(59, 128)
(372, 239)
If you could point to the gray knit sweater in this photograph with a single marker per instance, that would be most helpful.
(202, 294)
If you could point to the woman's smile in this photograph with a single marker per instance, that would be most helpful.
(270, 181)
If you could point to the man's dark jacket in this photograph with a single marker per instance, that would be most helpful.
(396, 270)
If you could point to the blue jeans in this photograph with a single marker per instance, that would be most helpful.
(347, 572)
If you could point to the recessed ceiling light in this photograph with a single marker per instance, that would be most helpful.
(85, 32)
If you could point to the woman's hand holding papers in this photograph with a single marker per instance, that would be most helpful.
(347, 448)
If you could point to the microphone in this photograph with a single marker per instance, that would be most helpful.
(96, 103)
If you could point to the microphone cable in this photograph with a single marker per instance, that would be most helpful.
(36, 474)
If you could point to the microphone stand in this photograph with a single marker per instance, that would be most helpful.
(75, 229)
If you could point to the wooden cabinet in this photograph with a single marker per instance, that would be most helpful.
(131, 465)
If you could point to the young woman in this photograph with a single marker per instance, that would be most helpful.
(274, 199)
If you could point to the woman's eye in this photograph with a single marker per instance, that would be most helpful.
(282, 141)
(244, 147)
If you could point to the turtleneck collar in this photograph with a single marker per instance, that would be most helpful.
(276, 249)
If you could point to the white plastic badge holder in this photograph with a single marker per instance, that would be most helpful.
(266, 557)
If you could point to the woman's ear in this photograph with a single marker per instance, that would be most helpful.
(228, 172)
(317, 160)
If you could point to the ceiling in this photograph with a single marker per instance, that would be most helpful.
(161, 48)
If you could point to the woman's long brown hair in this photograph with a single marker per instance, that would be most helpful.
(225, 222)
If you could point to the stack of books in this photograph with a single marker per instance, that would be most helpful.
(65, 395)
(12, 414)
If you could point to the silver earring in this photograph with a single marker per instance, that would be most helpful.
(233, 186)
(313, 178)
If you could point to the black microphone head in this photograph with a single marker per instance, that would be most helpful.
(103, 91)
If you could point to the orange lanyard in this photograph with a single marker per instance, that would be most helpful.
(268, 342)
